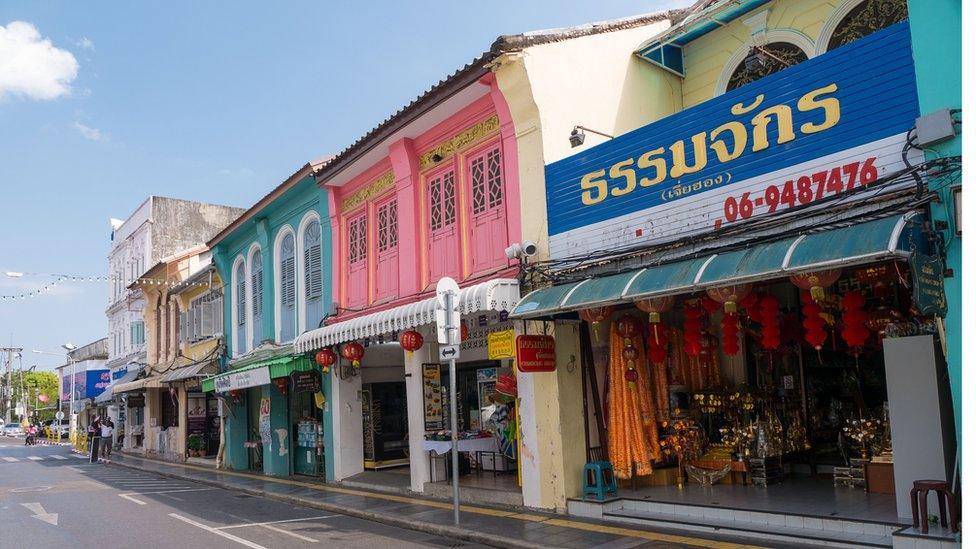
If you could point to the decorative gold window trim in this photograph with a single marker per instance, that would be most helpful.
(382, 184)
(460, 141)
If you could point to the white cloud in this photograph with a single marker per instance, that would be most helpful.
(89, 133)
(31, 66)
(85, 43)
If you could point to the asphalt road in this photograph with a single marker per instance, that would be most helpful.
(49, 497)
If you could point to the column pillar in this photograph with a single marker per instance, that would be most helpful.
(406, 173)
(419, 462)
(552, 450)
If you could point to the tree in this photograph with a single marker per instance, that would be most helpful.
(23, 387)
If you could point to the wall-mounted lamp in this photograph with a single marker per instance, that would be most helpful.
(578, 134)
(759, 56)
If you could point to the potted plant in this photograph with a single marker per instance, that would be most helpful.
(194, 444)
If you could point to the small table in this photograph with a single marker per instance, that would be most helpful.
(440, 447)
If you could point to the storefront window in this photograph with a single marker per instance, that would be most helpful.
(168, 410)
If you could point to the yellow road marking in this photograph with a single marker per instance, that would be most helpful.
(565, 523)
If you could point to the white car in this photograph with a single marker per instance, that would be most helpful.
(13, 430)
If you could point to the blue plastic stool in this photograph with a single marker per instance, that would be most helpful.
(598, 480)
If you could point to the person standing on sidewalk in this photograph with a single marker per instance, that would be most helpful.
(106, 441)
(94, 431)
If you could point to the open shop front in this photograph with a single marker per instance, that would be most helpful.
(389, 397)
(801, 376)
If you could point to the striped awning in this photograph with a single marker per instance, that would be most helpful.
(854, 244)
(500, 294)
(192, 371)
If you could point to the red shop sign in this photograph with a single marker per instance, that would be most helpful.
(535, 353)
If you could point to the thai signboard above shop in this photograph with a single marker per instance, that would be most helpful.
(244, 379)
(808, 134)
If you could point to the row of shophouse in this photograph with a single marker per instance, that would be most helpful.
(752, 204)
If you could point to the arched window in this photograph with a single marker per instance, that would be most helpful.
(257, 291)
(312, 273)
(286, 287)
(240, 306)
(867, 17)
(763, 61)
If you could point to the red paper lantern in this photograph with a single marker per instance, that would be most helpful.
(411, 341)
(816, 282)
(752, 304)
(769, 318)
(654, 306)
(595, 316)
(235, 395)
(353, 352)
(813, 323)
(627, 327)
(730, 296)
(855, 333)
(325, 358)
(657, 343)
(692, 328)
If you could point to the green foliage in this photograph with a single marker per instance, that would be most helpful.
(23, 386)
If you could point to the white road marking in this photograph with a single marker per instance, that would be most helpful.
(58, 457)
(132, 499)
(225, 535)
(292, 534)
(35, 458)
(246, 524)
(10, 459)
(79, 456)
(41, 514)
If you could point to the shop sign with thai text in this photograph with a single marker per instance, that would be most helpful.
(501, 345)
(928, 288)
(535, 353)
(242, 380)
(306, 382)
(811, 135)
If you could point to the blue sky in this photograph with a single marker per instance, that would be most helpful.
(211, 101)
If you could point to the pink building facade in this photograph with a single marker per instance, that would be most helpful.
(443, 203)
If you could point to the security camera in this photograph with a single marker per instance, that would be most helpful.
(518, 251)
(529, 248)
(514, 251)
(576, 137)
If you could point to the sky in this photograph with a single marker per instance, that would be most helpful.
(105, 103)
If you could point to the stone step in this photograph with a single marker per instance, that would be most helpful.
(753, 530)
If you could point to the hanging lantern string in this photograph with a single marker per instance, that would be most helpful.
(63, 278)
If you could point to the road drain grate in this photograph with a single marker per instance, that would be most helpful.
(445, 542)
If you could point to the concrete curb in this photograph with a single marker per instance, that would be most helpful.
(391, 520)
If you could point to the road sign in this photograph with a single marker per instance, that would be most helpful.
(449, 352)
(448, 322)
(59, 416)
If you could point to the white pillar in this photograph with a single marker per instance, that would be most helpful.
(419, 467)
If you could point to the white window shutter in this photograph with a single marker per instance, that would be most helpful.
(206, 320)
(218, 315)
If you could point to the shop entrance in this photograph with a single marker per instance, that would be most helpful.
(771, 396)
(255, 452)
(307, 433)
(385, 433)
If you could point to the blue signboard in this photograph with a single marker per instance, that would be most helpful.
(833, 123)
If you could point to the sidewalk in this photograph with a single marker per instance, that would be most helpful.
(479, 524)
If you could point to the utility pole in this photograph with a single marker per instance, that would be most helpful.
(8, 381)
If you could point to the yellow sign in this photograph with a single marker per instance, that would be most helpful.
(501, 345)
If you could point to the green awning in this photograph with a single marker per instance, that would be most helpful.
(851, 245)
(277, 367)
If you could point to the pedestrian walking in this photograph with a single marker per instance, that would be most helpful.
(32, 434)
(106, 440)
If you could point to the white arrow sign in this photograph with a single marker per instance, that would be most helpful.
(41, 514)
(448, 352)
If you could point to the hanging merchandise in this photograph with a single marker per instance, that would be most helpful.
(769, 318)
(693, 315)
(632, 427)
(657, 341)
(353, 352)
(855, 334)
(813, 323)
(752, 304)
(411, 341)
(595, 316)
(816, 282)
(325, 358)
(627, 327)
(730, 334)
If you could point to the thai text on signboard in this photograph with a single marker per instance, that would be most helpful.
(535, 353)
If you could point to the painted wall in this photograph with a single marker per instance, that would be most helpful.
(289, 210)
(936, 27)
(277, 456)
(472, 247)
(235, 434)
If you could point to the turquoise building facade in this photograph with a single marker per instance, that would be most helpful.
(936, 28)
(275, 261)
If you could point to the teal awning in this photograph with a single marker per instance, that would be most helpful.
(828, 248)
